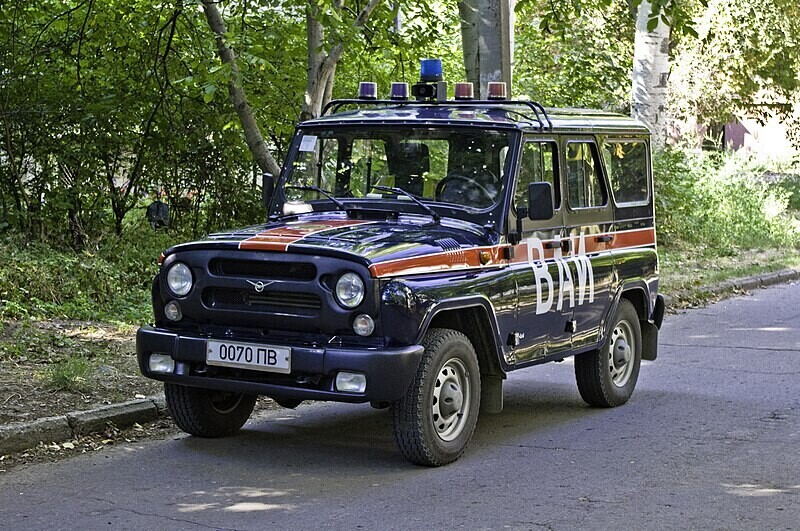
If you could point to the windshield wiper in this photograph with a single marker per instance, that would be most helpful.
(436, 217)
(326, 193)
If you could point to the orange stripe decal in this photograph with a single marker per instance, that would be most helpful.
(444, 261)
(471, 258)
(280, 238)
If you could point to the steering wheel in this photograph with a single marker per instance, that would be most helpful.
(470, 184)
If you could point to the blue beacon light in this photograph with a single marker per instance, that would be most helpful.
(399, 91)
(367, 90)
(430, 70)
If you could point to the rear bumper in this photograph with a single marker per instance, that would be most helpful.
(389, 371)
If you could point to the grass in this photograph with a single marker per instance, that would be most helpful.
(687, 272)
(71, 375)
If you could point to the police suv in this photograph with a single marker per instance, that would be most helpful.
(416, 251)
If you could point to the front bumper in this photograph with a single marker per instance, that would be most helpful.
(389, 371)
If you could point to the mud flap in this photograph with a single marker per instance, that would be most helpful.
(649, 340)
(491, 394)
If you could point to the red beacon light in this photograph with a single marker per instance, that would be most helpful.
(464, 91)
(399, 91)
(367, 90)
(496, 90)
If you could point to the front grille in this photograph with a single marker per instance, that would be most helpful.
(267, 301)
(263, 269)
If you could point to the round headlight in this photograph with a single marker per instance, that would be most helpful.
(350, 290)
(179, 279)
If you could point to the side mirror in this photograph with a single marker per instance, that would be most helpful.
(267, 188)
(540, 201)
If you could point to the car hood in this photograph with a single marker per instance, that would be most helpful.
(387, 247)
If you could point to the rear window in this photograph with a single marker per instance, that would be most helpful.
(626, 164)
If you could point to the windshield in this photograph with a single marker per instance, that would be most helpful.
(453, 166)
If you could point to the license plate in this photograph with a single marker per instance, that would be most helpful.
(251, 356)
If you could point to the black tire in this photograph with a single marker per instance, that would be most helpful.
(433, 423)
(208, 413)
(607, 376)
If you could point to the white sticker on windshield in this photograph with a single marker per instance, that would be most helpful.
(308, 143)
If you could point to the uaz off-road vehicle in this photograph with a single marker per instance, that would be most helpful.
(417, 251)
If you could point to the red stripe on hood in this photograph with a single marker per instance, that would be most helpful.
(280, 238)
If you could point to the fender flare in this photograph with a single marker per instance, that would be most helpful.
(465, 303)
(649, 330)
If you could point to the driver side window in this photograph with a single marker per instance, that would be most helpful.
(539, 164)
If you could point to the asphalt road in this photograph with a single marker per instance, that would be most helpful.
(709, 440)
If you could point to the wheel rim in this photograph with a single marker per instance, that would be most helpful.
(620, 353)
(451, 399)
(224, 403)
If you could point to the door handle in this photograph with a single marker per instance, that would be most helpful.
(605, 238)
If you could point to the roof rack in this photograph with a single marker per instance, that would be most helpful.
(539, 112)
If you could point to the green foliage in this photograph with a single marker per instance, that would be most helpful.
(25, 342)
(719, 201)
(789, 183)
(574, 55)
(112, 284)
(746, 58)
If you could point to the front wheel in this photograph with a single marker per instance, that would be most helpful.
(433, 423)
(607, 376)
(208, 413)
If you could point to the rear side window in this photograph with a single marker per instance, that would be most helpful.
(583, 176)
(626, 164)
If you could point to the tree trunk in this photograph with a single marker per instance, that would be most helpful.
(487, 39)
(468, 9)
(651, 75)
(322, 65)
(252, 134)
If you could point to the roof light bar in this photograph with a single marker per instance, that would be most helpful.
(496, 90)
(367, 90)
(465, 91)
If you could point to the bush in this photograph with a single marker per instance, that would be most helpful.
(110, 284)
(720, 202)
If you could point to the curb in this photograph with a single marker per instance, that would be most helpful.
(739, 284)
(19, 436)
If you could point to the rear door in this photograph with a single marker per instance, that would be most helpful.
(588, 217)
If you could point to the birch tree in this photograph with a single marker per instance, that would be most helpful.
(651, 67)
(487, 40)
(252, 133)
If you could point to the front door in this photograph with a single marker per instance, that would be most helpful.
(541, 313)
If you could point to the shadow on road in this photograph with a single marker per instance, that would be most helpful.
(358, 438)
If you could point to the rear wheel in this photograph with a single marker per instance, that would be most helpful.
(433, 423)
(208, 413)
(607, 376)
